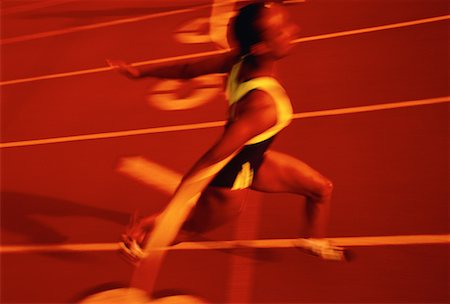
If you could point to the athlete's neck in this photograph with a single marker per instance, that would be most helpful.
(253, 67)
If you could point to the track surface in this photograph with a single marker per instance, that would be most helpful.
(389, 167)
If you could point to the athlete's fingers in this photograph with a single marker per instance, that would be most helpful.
(123, 67)
(112, 63)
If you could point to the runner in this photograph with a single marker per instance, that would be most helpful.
(259, 109)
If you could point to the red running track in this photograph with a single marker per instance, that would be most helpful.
(389, 167)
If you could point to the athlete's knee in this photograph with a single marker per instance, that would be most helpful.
(324, 190)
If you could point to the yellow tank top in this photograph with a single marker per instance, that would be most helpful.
(235, 91)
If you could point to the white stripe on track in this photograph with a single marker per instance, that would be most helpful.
(108, 68)
(32, 6)
(95, 26)
(376, 107)
(373, 29)
(81, 28)
(217, 52)
(213, 124)
(359, 241)
(112, 134)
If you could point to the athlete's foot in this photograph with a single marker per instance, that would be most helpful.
(322, 248)
(136, 236)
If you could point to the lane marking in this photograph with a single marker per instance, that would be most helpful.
(108, 68)
(214, 124)
(150, 173)
(371, 108)
(373, 29)
(359, 241)
(113, 134)
(32, 6)
(100, 24)
(213, 29)
(96, 25)
(221, 51)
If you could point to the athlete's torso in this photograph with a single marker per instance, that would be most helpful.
(237, 90)
(241, 170)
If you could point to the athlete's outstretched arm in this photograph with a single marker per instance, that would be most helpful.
(220, 63)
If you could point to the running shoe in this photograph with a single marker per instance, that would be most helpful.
(322, 248)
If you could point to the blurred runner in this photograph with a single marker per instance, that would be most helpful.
(259, 109)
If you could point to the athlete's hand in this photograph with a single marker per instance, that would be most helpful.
(123, 68)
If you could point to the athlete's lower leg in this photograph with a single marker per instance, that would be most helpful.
(318, 211)
(216, 206)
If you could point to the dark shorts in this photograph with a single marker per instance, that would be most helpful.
(240, 171)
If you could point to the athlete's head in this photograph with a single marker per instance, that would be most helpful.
(264, 28)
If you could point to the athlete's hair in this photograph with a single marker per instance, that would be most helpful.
(245, 27)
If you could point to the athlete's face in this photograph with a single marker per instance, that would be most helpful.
(277, 30)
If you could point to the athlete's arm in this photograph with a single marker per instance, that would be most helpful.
(220, 63)
(257, 113)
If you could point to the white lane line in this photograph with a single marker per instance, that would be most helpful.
(217, 52)
(100, 24)
(108, 68)
(424, 239)
(112, 134)
(377, 107)
(213, 124)
(373, 29)
(359, 241)
(293, 1)
(96, 25)
(32, 6)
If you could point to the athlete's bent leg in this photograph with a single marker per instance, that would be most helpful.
(215, 207)
(281, 173)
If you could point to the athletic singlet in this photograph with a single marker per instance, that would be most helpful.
(240, 171)
(235, 91)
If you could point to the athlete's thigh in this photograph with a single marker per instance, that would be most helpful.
(216, 206)
(280, 172)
